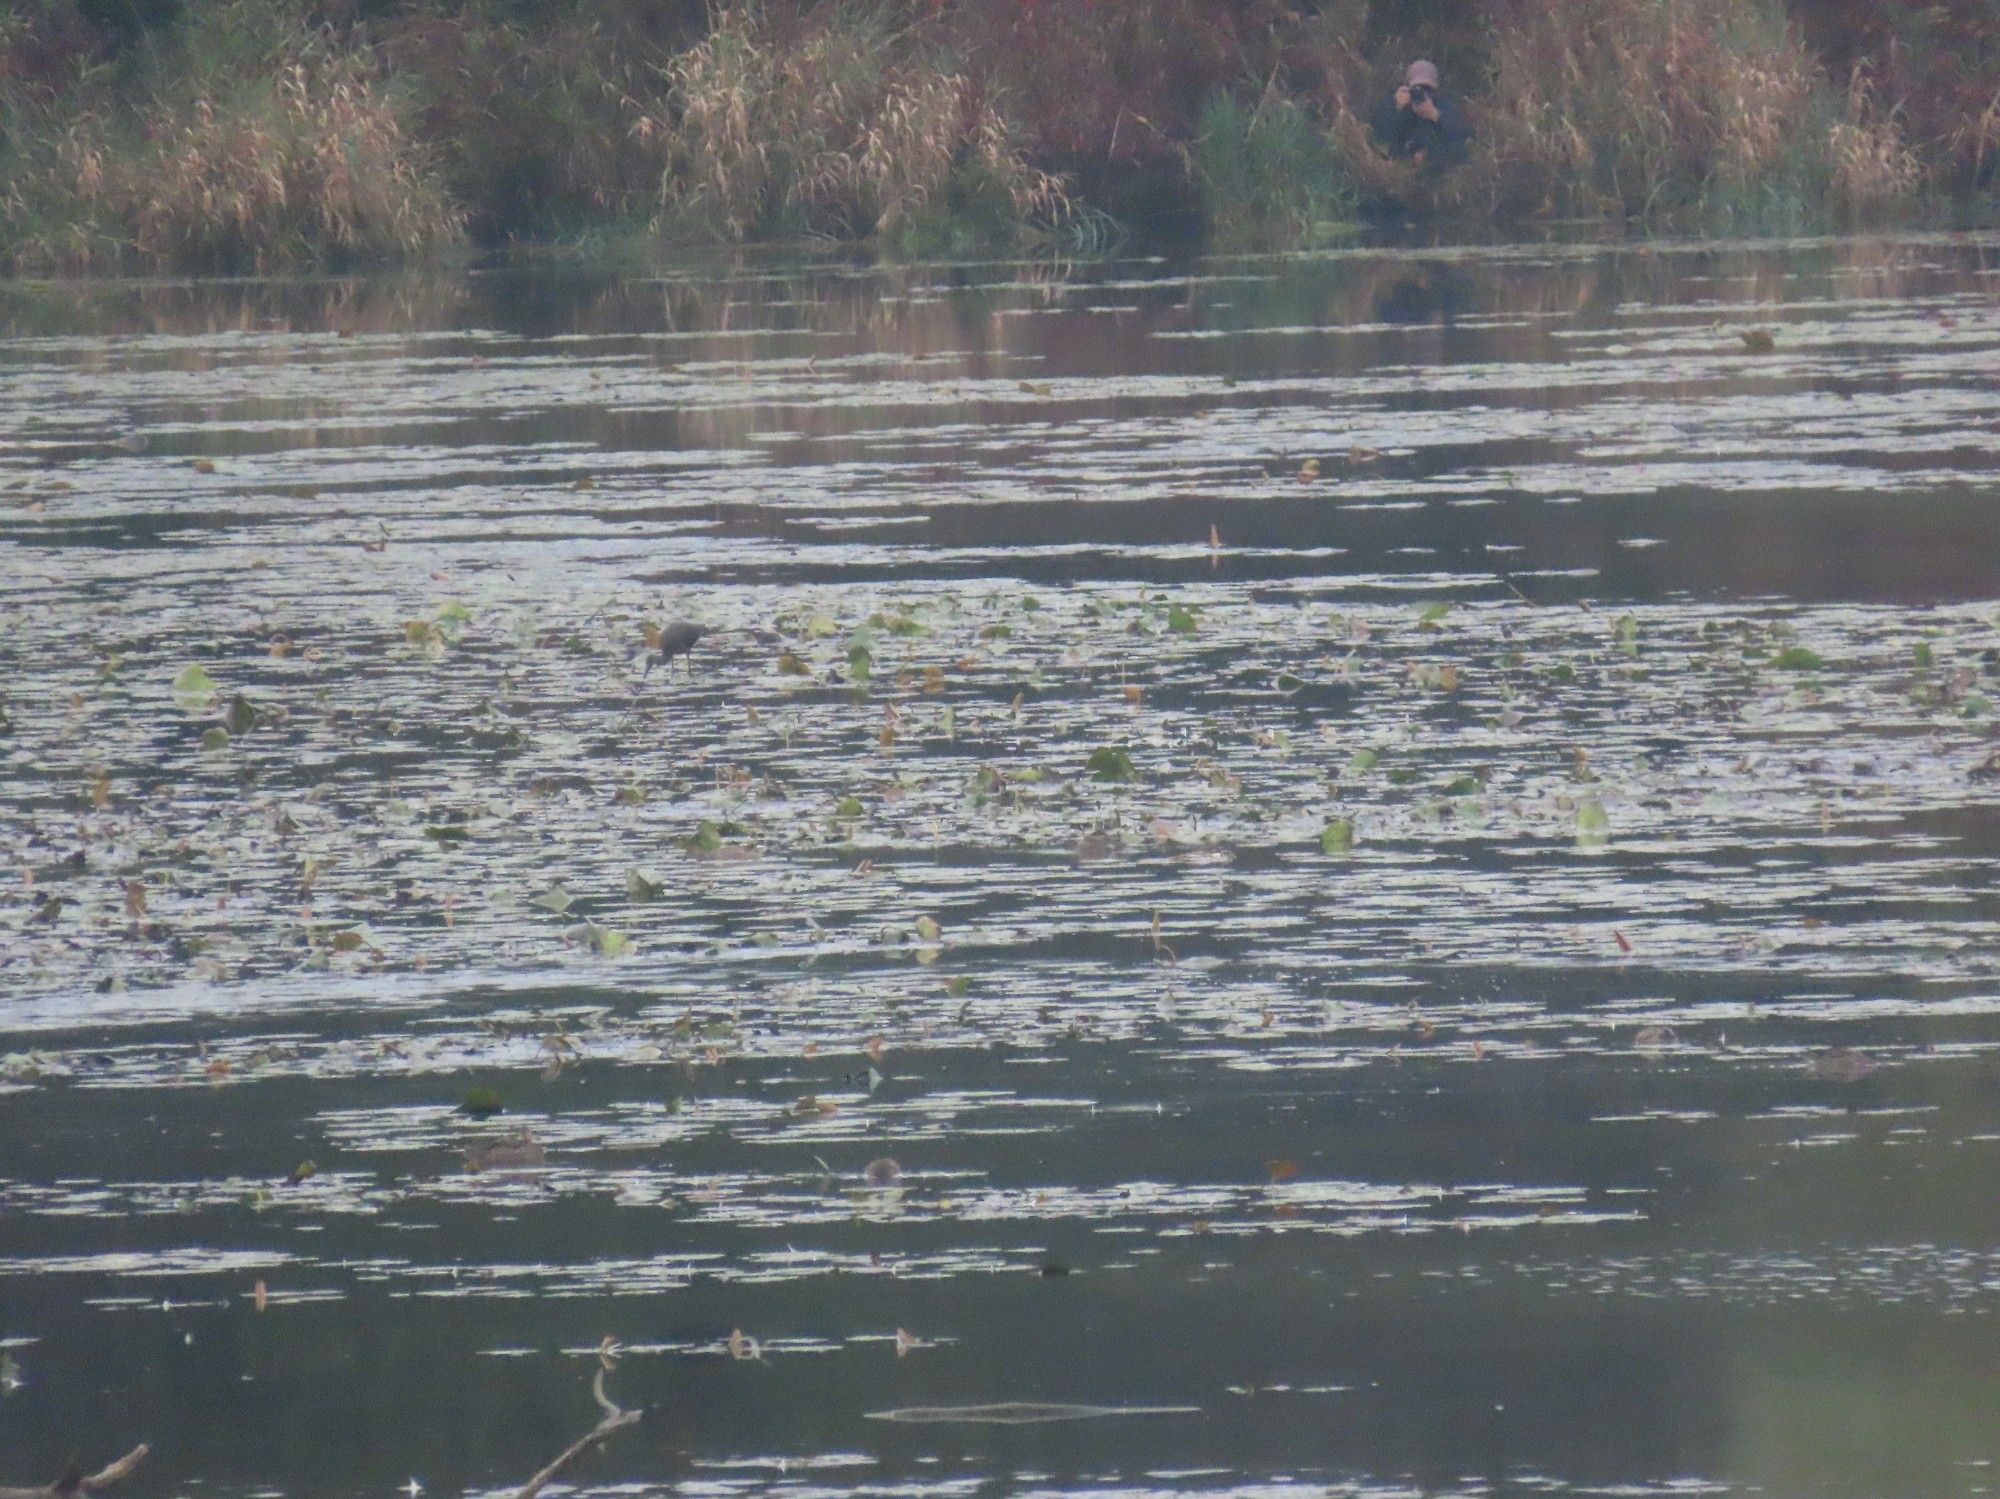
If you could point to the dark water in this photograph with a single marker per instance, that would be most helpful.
(1068, 625)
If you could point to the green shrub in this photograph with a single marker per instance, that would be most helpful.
(1268, 175)
(540, 127)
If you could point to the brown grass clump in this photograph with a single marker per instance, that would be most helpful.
(1872, 166)
(1633, 106)
(841, 122)
(315, 165)
(263, 145)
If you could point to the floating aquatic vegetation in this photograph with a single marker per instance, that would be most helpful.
(1288, 915)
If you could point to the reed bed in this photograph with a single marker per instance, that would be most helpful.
(843, 123)
(268, 133)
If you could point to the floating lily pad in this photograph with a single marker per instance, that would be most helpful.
(1111, 764)
(481, 1103)
(194, 687)
(1593, 826)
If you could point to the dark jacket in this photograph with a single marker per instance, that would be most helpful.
(1403, 133)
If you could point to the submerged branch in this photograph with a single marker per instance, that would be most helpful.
(76, 1481)
(614, 1418)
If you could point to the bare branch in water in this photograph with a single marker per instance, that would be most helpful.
(76, 1481)
(614, 1418)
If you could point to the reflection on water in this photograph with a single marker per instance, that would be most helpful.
(1366, 874)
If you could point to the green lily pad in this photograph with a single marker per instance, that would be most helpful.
(1112, 764)
(606, 942)
(1593, 827)
(194, 688)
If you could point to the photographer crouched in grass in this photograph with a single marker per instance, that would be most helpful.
(1420, 122)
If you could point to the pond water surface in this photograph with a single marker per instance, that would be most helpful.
(1365, 874)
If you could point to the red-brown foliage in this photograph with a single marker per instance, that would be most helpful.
(1935, 63)
(43, 46)
(1109, 90)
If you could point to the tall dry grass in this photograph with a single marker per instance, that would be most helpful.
(256, 141)
(1933, 64)
(843, 122)
(1701, 110)
(247, 133)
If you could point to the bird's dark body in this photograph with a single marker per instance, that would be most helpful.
(678, 639)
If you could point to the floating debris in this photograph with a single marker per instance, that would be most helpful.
(1841, 1064)
(1021, 1413)
(517, 1152)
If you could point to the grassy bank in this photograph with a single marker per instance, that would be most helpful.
(241, 134)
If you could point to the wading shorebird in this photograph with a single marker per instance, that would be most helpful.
(677, 639)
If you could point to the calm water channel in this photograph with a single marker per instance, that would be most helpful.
(1365, 874)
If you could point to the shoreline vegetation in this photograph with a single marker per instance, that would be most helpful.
(235, 135)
